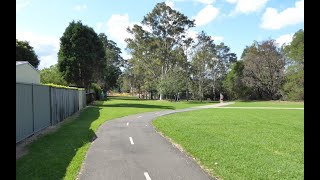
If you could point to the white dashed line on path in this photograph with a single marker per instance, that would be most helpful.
(131, 141)
(147, 176)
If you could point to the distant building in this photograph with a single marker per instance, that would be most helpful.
(26, 73)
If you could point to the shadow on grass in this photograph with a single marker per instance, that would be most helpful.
(135, 106)
(50, 155)
(110, 98)
(203, 102)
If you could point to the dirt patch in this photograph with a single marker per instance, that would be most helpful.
(21, 149)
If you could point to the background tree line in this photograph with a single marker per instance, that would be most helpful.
(166, 63)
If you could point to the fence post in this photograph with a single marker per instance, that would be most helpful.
(50, 106)
(32, 107)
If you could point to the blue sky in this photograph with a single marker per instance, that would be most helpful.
(237, 23)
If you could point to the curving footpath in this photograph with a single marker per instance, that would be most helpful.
(129, 148)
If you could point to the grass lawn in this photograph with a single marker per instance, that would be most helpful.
(59, 155)
(283, 104)
(241, 143)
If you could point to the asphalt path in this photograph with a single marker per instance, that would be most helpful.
(129, 148)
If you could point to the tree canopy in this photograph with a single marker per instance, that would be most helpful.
(25, 52)
(81, 57)
(52, 75)
(293, 88)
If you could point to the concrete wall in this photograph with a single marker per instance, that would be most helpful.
(25, 73)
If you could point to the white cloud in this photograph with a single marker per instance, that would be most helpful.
(217, 38)
(284, 39)
(21, 4)
(271, 19)
(206, 15)
(80, 7)
(47, 61)
(170, 3)
(117, 27)
(247, 6)
(46, 47)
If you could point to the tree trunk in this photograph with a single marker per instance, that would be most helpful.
(161, 96)
(187, 95)
(214, 94)
(131, 89)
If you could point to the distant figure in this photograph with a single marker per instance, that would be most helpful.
(178, 97)
(102, 95)
(221, 98)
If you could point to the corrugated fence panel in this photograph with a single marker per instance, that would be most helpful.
(38, 107)
(64, 103)
(41, 104)
(53, 106)
(84, 99)
(24, 114)
(80, 99)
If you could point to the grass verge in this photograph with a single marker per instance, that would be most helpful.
(59, 155)
(241, 143)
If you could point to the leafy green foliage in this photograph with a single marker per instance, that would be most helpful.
(61, 86)
(264, 65)
(52, 75)
(295, 51)
(173, 83)
(235, 87)
(25, 52)
(293, 88)
(81, 57)
(114, 61)
(97, 89)
(202, 60)
(158, 50)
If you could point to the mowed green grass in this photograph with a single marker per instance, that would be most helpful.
(59, 155)
(283, 104)
(241, 143)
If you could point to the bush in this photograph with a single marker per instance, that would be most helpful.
(61, 86)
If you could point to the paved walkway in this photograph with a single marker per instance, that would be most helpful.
(129, 148)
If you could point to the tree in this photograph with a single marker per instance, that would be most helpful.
(113, 60)
(294, 82)
(295, 51)
(264, 69)
(173, 82)
(235, 87)
(81, 57)
(113, 52)
(25, 52)
(52, 75)
(204, 57)
(132, 79)
(220, 66)
(156, 49)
